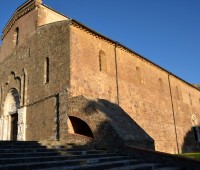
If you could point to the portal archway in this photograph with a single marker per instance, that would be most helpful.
(9, 119)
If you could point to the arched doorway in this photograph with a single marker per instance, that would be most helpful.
(9, 120)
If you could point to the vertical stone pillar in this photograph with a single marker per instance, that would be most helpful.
(21, 136)
(63, 115)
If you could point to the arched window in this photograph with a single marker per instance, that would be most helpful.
(102, 61)
(46, 70)
(16, 36)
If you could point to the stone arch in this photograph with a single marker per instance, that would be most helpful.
(78, 126)
(9, 119)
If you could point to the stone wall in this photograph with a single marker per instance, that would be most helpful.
(107, 122)
(145, 91)
(26, 19)
(41, 120)
(26, 25)
(50, 41)
(46, 16)
(86, 79)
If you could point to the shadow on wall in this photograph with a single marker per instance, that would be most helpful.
(192, 140)
(110, 125)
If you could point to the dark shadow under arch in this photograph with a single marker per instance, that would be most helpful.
(80, 127)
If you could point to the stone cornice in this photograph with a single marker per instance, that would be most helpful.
(20, 11)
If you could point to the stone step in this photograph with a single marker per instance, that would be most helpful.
(52, 158)
(50, 153)
(169, 168)
(115, 165)
(71, 164)
(20, 146)
(18, 143)
(143, 166)
(28, 154)
(35, 155)
(60, 151)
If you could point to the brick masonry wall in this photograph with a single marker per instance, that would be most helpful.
(145, 96)
(31, 56)
(186, 111)
(46, 16)
(108, 123)
(26, 25)
(86, 79)
(41, 120)
(143, 89)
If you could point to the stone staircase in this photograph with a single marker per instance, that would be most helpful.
(22, 155)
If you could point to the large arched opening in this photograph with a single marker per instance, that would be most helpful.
(80, 127)
(9, 119)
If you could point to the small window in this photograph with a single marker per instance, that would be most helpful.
(16, 37)
(46, 70)
(196, 131)
(102, 61)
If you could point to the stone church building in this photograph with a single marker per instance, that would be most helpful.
(62, 81)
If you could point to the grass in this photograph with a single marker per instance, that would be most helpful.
(192, 155)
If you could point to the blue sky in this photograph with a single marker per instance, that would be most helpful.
(166, 32)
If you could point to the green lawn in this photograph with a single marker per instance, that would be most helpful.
(192, 155)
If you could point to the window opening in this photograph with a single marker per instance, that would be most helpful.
(102, 61)
(16, 37)
(46, 71)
